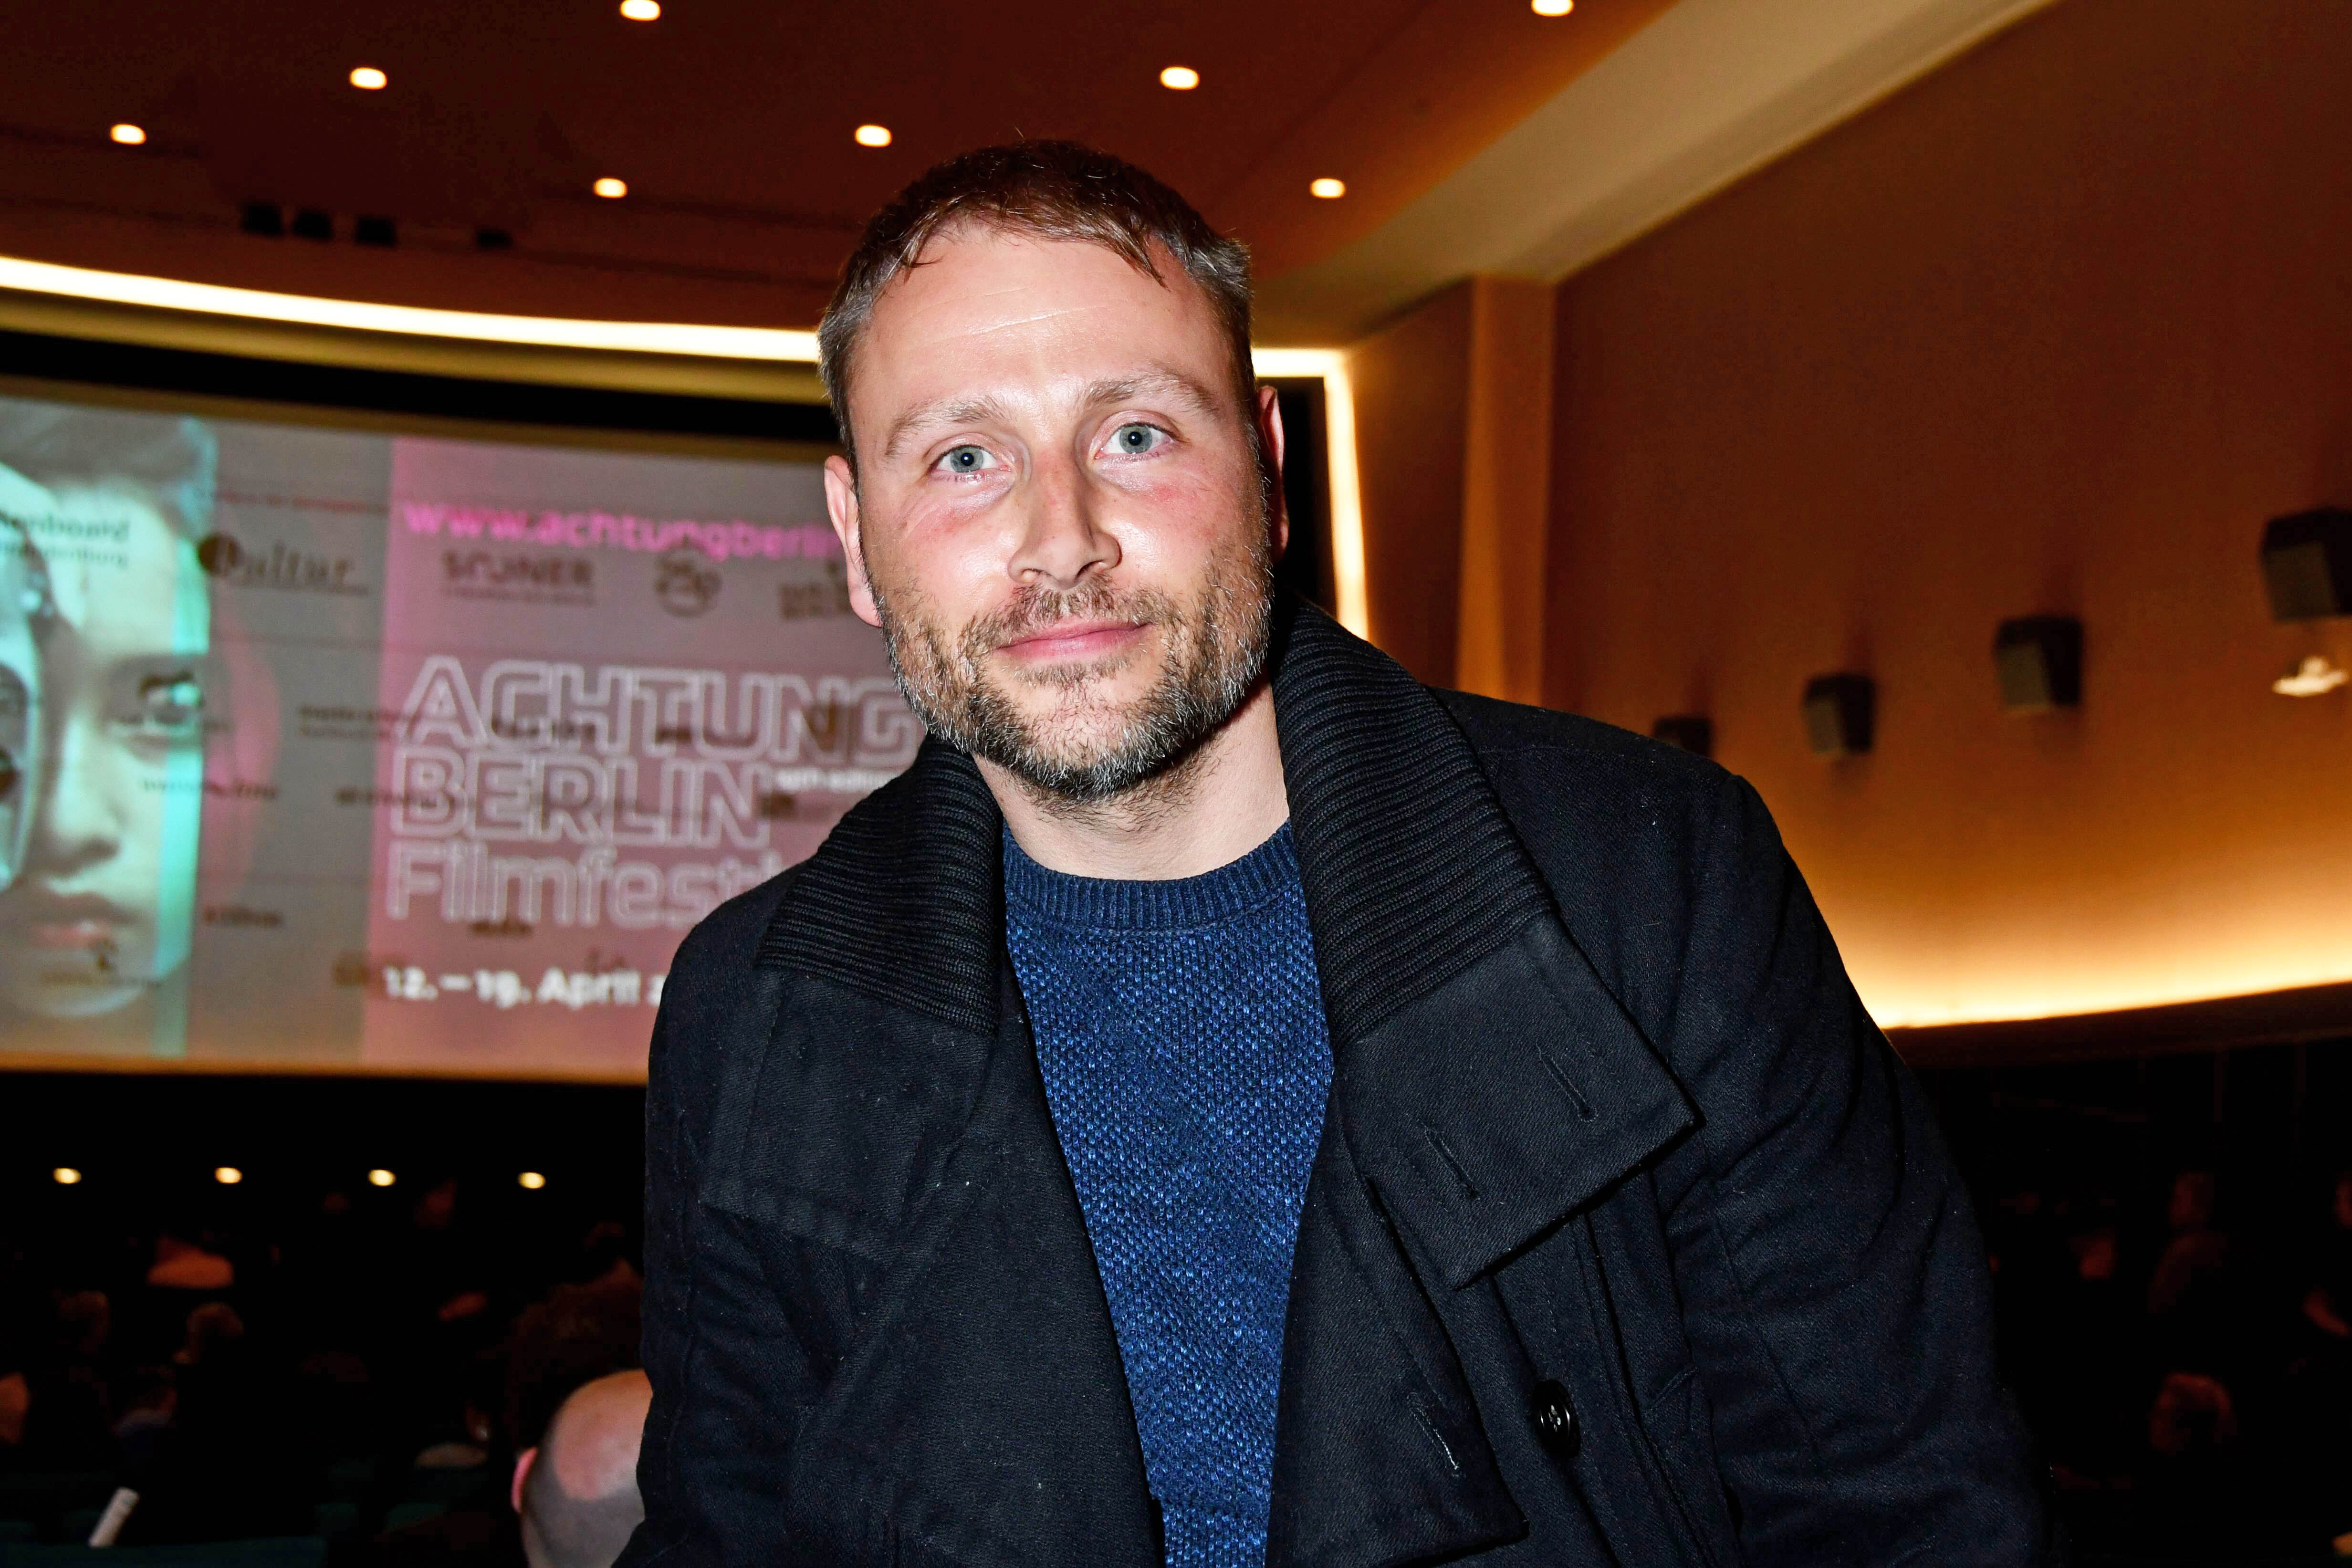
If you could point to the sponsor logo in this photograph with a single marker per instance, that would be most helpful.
(239, 915)
(216, 789)
(819, 598)
(279, 567)
(324, 722)
(519, 577)
(358, 968)
(428, 801)
(685, 584)
(510, 926)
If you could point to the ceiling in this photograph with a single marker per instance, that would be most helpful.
(1707, 93)
(730, 119)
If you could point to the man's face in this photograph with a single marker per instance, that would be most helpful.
(102, 909)
(1057, 520)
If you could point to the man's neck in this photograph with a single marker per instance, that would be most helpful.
(1209, 810)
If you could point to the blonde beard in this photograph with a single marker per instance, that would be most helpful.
(1213, 653)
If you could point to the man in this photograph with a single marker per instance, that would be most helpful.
(576, 1489)
(1228, 1103)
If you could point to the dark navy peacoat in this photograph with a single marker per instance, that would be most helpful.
(1629, 1242)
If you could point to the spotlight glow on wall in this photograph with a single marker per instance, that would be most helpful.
(872, 135)
(127, 134)
(367, 79)
(1329, 189)
(1184, 79)
(227, 1175)
(530, 1181)
(2315, 677)
(609, 188)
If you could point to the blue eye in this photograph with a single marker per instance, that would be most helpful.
(965, 460)
(1135, 440)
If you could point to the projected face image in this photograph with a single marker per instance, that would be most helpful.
(103, 905)
(24, 596)
(1057, 521)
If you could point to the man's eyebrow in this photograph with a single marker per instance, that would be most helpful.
(1171, 384)
(940, 411)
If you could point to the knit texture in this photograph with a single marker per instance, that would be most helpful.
(1180, 1030)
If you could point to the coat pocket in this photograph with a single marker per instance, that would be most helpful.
(1679, 1425)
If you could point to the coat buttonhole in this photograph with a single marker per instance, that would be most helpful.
(1429, 1425)
(1461, 1175)
(1583, 1106)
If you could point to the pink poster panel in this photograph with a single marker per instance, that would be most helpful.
(616, 692)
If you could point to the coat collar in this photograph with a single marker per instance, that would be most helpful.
(1416, 885)
(1412, 873)
(1485, 1083)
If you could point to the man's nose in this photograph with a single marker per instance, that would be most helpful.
(76, 820)
(1062, 536)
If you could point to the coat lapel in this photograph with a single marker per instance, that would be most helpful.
(977, 1411)
(1486, 1086)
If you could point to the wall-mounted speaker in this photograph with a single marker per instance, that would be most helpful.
(2040, 658)
(2307, 564)
(1840, 714)
(1693, 732)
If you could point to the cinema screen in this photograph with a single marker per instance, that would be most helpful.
(341, 749)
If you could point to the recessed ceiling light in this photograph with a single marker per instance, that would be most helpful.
(872, 136)
(1329, 189)
(380, 1177)
(368, 78)
(1551, 8)
(530, 1181)
(611, 187)
(227, 1175)
(65, 1175)
(1184, 79)
(129, 136)
(641, 10)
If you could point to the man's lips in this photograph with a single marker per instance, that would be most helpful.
(1069, 641)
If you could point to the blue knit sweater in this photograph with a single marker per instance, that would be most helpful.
(1179, 1027)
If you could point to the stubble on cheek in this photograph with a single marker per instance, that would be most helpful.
(1086, 745)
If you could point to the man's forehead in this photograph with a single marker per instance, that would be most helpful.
(989, 314)
(972, 282)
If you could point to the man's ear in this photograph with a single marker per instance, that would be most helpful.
(1269, 431)
(841, 505)
(523, 1462)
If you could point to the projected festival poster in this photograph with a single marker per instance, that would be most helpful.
(324, 749)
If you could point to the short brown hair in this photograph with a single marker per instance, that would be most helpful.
(1047, 190)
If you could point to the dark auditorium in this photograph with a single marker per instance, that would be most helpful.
(1531, 783)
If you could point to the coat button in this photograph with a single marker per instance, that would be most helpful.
(1554, 1418)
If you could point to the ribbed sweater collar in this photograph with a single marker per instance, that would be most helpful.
(1410, 871)
(1103, 903)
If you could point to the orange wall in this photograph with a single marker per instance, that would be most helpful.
(2054, 329)
(1411, 388)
